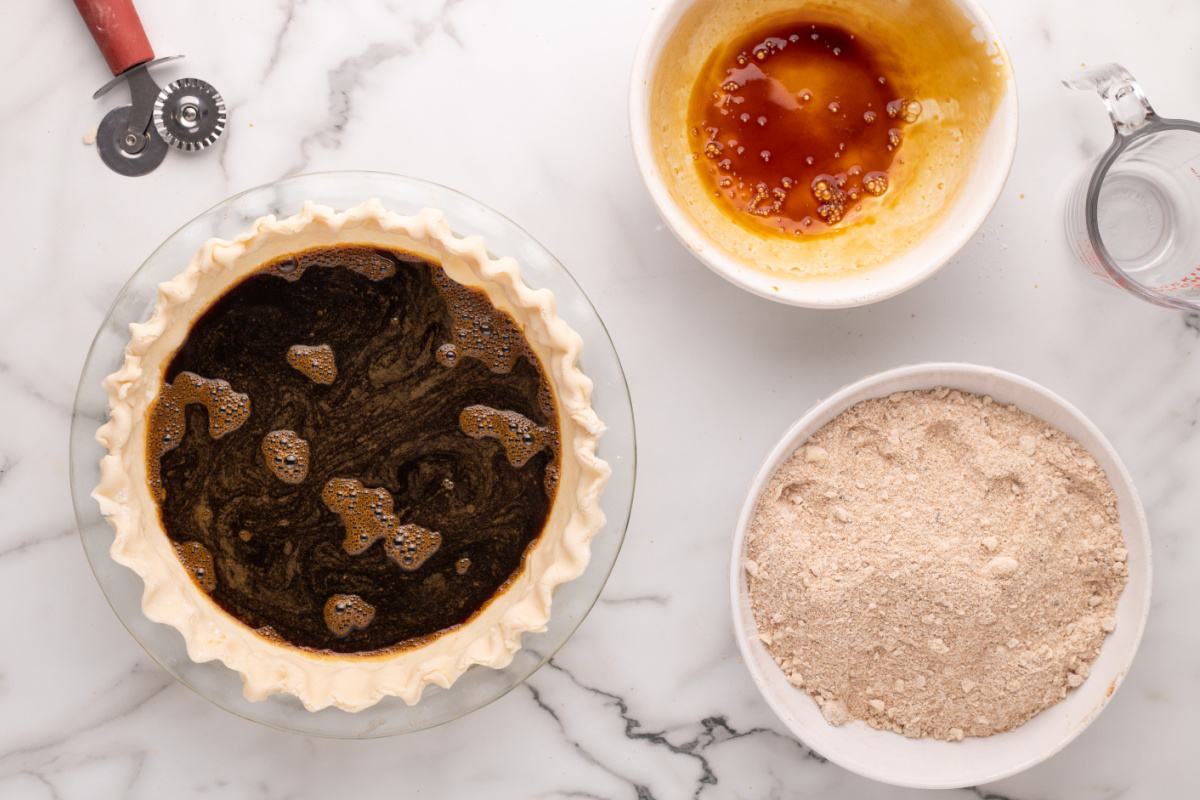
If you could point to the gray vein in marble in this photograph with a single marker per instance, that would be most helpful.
(654, 599)
(347, 76)
(1191, 321)
(222, 148)
(54, 795)
(23, 386)
(139, 764)
(289, 15)
(715, 730)
(985, 795)
(35, 541)
(37, 759)
(643, 793)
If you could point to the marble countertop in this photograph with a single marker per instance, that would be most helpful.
(523, 106)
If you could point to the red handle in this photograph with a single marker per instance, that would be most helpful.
(118, 32)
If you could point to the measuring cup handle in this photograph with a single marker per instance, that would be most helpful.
(1127, 105)
(118, 32)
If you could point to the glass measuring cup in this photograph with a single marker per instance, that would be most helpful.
(1133, 217)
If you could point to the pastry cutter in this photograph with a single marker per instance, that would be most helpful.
(188, 114)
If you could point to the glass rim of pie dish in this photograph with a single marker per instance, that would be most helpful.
(479, 686)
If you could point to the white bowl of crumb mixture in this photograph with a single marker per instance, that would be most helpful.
(940, 575)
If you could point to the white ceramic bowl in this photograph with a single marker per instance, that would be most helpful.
(930, 763)
(903, 270)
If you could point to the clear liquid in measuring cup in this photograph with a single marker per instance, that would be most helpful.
(1148, 208)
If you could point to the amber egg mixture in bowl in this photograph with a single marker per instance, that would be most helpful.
(822, 153)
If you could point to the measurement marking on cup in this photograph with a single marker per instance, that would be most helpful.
(1189, 281)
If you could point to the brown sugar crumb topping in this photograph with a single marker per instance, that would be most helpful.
(936, 564)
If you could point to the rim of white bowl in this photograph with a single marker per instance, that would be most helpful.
(1134, 602)
(816, 292)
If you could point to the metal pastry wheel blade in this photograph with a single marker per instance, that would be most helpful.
(189, 114)
(124, 152)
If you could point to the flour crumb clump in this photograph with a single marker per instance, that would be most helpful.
(936, 564)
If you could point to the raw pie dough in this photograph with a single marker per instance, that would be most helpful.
(352, 682)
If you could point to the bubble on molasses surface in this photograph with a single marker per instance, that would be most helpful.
(479, 329)
(367, 516)
(315, 362)
(369, 263)
(270, 634)
(227, 411)
(366, 513)
(462, 565)
(287, 268)
(366, 261)
(199, 564)
(546, 400)
(446, 355)
(412, 545)
(520, 436)
(286, 455)
(347, 612)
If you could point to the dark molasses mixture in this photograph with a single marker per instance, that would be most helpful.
(794, 125)
(352, 452)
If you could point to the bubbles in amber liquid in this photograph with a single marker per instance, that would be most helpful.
(794, 124)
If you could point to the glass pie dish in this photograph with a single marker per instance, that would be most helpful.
(478, 686)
